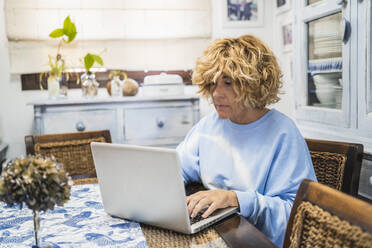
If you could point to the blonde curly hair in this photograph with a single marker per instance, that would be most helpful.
(252, 66)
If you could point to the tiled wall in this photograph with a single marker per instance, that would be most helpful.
(136, 34)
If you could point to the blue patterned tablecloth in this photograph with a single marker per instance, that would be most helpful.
(81, 222)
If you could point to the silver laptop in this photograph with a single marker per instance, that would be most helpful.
(145, 184)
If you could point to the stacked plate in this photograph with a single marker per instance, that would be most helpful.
(327, 38)
(329, 89)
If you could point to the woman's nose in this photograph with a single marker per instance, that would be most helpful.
(217, 91)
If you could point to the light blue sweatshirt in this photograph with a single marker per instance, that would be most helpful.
(264, 162)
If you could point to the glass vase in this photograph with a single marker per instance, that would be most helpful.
(89, 85)
(63, 87)
(116, 86)
(53, 87)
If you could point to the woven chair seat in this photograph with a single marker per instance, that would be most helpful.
(159, 238)
(329, 168)
(315, 227)
(75, 155)
(90, 180)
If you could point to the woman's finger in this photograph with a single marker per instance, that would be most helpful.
(192, 201)
(191, 205)
(210, 210)
(201, 204)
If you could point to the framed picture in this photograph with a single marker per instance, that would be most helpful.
(242, 13)
(287, 38)
(283, 5)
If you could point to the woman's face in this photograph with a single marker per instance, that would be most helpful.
(223, 97)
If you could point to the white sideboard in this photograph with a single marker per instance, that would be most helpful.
(153, 121)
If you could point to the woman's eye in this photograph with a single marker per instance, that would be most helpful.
(227, 83)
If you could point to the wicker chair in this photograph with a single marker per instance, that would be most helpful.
(324, 217)
(337, 164)
(71, 149)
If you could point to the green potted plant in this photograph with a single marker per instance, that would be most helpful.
(38, 182)
(89, 84)
(66, 34)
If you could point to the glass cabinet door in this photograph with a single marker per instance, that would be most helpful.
(324, 75)
(322, 62)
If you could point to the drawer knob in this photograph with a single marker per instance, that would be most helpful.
(80, 126)
(160, 123)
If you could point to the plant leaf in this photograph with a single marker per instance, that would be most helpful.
(69, 29)
(88, 61)
(73, 33)
(67, 24)
(97, 59)
(56, 33)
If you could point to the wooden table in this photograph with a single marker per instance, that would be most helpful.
(234, 231)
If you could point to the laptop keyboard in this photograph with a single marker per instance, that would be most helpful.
(198, 217)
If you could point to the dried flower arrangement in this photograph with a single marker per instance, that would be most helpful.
(38, 182)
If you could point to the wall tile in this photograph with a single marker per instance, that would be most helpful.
(133, 56)
(92, 24)
(113, 24)
(135, 24)
(197, 5)
(174, 24)
(30, 56)
(193, 20)
(20, 4)
(117, 4)
(25, 24)
(155, 22)
(143, 4)
(47, 21)
(171, 4)
(10, 20)
(96, 4)
(58, 4)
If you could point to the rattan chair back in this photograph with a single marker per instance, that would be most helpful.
(337, 164)
(324, 217)
(71, 149)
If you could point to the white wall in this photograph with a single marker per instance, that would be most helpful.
(4, 68)
(285, 57)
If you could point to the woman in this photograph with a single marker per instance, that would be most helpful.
(247, 155)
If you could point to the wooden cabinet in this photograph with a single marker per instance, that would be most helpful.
(150, 121)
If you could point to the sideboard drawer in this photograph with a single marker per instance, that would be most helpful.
(157, 123)
(148, 121)
(82, 120)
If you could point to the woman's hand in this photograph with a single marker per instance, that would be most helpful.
(216, 199)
